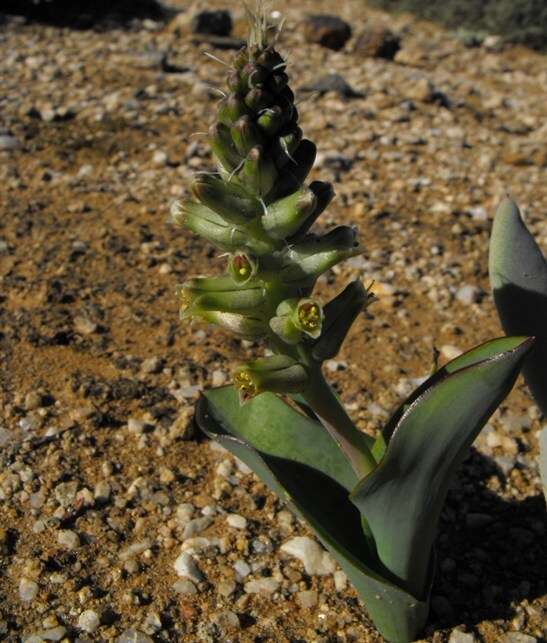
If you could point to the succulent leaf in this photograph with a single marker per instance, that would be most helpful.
(297, 458)
(402, 498)
(518, 275)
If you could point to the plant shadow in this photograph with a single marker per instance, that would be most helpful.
(491, 552)
(86, 14)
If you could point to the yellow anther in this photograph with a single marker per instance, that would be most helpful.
(245, 385)
(309, 316)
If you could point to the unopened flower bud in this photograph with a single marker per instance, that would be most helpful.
(295, 172)
(277, 374)
(231, 109)
(245, 326)
(246, 135)
(270, 120)
(259, 98)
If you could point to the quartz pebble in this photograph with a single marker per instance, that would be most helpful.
(236, 521)
(186, 566)
(88, 621)
(68, 539)
(317, 561)
(307, 598)
(457, 636)
(133, 636)
(28, 589)
(184, 586)
(261, 586)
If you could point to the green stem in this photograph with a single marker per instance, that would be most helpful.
(326, 405)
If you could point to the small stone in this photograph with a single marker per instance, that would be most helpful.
(307, 599)
(134, 550)
(186, 566)
(457, 636)
(184, 586)
(133, 636)
(9, 143)
(52, 634)
(377, 42)
(242, 569)
(261, 586)
(340, 580)
(28, 589)
(468, 295)
(326, 30)
(88, 621)
(68, 539)
(218, 378)
(196, 526)
(517, 637)
(216, 23)
(84, 326)
(184, 513)
(135, 426)
(316, 560)
(160, 158)
(66, 492)
(33, 400)
(450, 352)
(226, 621)
(102, 491)
(182, 428)
(236, 521)
(226, 588)
(151, 365)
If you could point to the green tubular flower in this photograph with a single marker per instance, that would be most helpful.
(203, 221)
(277, 374)
(295, 171)
(324, 193)
(246, 135)
(231, 201)
(271, 120)
(251, 326)
(285, 216)
(283, 147)
(340, 313)
(259, 171)
(296, 318)
(223, 147)
(242, 267)
(231, 109)
(306, 260)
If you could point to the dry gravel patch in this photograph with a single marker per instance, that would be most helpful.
(116, 522)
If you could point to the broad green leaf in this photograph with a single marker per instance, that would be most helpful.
(518, 275)
(403, 497)
(298, 460)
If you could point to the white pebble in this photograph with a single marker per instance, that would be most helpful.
(88, 621)
(317, 561)
(184, 586)
(68, 539)
(261, 586)
(236, 521)
(241, 568)
(27, 590)
(186, 566)
(340, 580)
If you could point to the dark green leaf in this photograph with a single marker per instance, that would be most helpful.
(299, 461)
(402, 498)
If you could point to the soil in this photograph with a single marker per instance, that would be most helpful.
(98, 378)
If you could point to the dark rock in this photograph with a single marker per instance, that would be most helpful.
(378, 42)
(215, 23)
(332, 83)
(327, 30)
